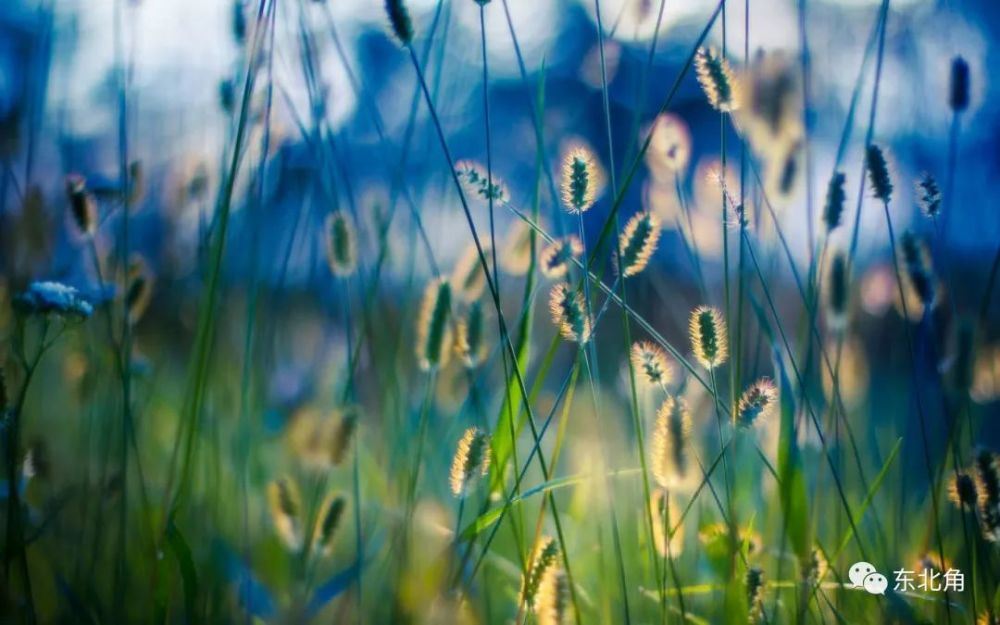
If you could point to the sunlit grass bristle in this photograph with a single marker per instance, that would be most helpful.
(344, 429)
(638, 242)
(580, 179)
(399, 20)
(82, 204)
(916, 262)
(468, 278)
(988, 493)
(962, 491)
(708, 336)
(471, 461)
(833, 208)
(651, 365)
(757, 403)
(545, 556)
(555, 259)
(478, 182)
(341, 244)
(433, 326)
(470, 336)
(755, 594)
(717, 79)
(330, 514)
(516, 256)
(285, 505)
(669, 453)
(958, 93)
(569, 313)
(929, 195)
(552, 604)
(878, 173)
(664, 511)
(837, 293)
(139, 288)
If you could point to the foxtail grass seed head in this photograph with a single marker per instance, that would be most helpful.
(986, 378)
(341, 244)
(988, 618)
(651, 365)
(468, 278)
(470, 336)
(929, 195)
(286, 511)
(517, 249)
(838, 293)
(344, 429)
(833, 208)
(433, 327)
(569, 313)
(139, 291)
(638, 242)
(663, 510)
(988, 493)
(555, 259)
(330, 514)
(757, 403)
(962, 491)
(755, 594)
(471, 461)
(708, 336)
(552, 604)
(545, 556)
(878, 173)
(916, 262)
(816, 567)
(670, 444)
(958, 94)
(82, 204)
(580, 179)
(717, 79)
(399, 20)
(477, 181)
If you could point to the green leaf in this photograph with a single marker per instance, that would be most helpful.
(189, 574)
(792, 488)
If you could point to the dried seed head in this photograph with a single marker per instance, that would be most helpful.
(962, 491)
(552, 601)
(838, 293)
(286, 511)
(82, 204)
(433, 328)
(717, 79)
(708, 336)
(670, 444)
(470, 336)
(580, 179)
(638, 242)
(878, 173)
(650, 364)
(399, 20)
(139, 291)
(341, 244)
(755, 594)
(471, 461)
(833, 208)
(569, 313)
(929, 195)
(330, 513)
(664, 512)
(919, 272)
(477, 181)
(958, 94)
(556, 257)
(545, 555)
(517, 249)
(988, 492)
(469, 279)
(757, 403)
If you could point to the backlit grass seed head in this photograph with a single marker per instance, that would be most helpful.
(330, 514)
(962, 491)
(341, 244)
(399, 20)
(468, 278)
(665, 513)
(988, 493)
(285, 505)
(669, 146)
(555, 259)
(569, 313)
(545, 556)
(552, 603)
(717, 79)
(580, 179)
(139, 289)
(837, 293)
(958, 94)
(757, 403)
(816, 567)
(470, 336)
(929, 195)
(670, 447)
(833, 207)
(343, 430)
(82, 204)
(755, 594)
(651, 365)
(878, 173)
(433, 327)
(708, 336)
(919, 273)
(638, 242)
(471, 461)
(986, 378)
(515, 258)
(986, 618)
(477, 181)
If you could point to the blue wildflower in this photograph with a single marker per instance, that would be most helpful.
(44, 298)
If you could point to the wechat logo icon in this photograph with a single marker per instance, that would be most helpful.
(863, 575)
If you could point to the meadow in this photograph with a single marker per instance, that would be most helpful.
(431, 311)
